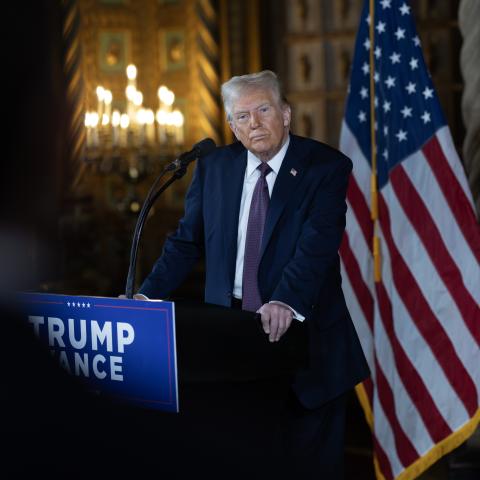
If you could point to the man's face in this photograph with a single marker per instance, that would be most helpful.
(260, 123)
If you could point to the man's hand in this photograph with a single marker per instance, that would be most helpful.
(136, 296)
(275, 320)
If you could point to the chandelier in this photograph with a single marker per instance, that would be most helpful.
(129, 141)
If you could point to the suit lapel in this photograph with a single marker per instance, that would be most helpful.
(293, 168)
(233, 178)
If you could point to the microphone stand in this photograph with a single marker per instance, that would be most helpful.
(147, 205)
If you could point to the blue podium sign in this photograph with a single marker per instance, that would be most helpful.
(125, 348)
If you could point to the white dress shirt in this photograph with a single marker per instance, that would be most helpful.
(251, 176)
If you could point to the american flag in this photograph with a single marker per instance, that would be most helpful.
(420, 324)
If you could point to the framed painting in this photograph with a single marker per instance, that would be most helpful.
(113, 51)
(172, 49)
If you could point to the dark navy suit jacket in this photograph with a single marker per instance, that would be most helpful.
(299, 255)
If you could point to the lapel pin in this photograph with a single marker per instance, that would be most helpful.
(293, 172)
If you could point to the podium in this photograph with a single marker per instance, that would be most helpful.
(231, 381)
(141, 351)
(220, 344)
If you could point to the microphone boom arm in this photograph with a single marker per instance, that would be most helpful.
(151, 198)
(179, 168)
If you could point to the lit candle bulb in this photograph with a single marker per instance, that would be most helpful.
(130, 94)
(124, 124)
(107, 98)
(132, 75)
(94, 119)
(161, 117)
(178, 120)
(170, 126)
(161, 94)
(115, 127)
(138, 98)
(141, 121)
(138, 128)
(100, 98)
(168, 98)
(150, 122)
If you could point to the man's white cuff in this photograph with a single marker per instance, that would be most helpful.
(296, 315)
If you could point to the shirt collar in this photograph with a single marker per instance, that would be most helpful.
(275, 163)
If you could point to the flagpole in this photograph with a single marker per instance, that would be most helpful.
(373, 143)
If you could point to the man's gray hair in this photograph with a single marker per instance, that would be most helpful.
(234, 87)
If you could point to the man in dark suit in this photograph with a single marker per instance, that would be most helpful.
(268, 215)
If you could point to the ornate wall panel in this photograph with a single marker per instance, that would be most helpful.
(319, 47)
(171, 42)
(319, 39)
(75, 85)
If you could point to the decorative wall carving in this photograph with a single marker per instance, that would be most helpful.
(208, 78)
(172, 49)
(113, 51)
(72, 64)
(319, 40)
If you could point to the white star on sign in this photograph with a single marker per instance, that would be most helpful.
(413, 63)
(395, 57)
(83, 304)
(428, 93)
(404, 9)
(378, 52)
(364, 92)
(366, 44)
(88, 305)
(368, 19)
(381, 27)
(386, 106)
(401, 135)
(376, 76)
(385, 130)
(400, 33)
(425, 117)
(416, 41)
(386, 3)
(390, 82)
(411, 88)
(78, 304)
(406, 111)
(68, 304)
(365, 68)
(362, 117)
(385, 154)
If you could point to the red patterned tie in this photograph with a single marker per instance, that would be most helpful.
(251, 300)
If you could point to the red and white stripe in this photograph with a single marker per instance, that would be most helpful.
(420, 325)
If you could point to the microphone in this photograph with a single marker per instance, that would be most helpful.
(200, 149)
